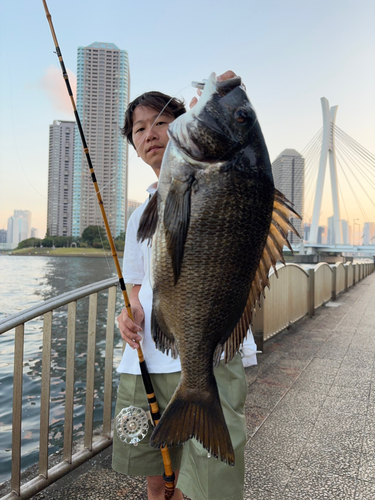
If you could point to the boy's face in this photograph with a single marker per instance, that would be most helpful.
(150, 135)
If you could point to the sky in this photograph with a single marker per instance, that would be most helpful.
(289, 53)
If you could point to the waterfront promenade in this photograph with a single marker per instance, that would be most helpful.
(310, 414)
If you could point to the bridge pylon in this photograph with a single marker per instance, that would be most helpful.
(328, 150)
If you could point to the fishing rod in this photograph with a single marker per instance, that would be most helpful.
(169, 476)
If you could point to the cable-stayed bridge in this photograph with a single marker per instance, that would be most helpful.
(352, 180)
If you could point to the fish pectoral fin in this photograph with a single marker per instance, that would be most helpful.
(195, 414)
(177, 219)
(163, 338)
(272, 253)
(149, 219)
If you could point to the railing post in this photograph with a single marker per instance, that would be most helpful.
(109, 341)
(90, 377)
(311, 293)
(334, 284)
(258, 324)
(17, 409)
(45, 395)
(69, 383)
(346, 278)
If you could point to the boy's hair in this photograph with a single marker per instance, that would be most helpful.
(156, 100)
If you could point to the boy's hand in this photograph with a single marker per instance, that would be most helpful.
(130, 329)
(225, 76)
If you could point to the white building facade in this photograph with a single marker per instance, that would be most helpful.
(19, 226)
(60, 178)
(102, 98)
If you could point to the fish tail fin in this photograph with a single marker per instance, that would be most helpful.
(194, 416)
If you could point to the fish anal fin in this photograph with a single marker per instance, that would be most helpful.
(195, 414)
(272, 253)
(149, 219)
(177, 219)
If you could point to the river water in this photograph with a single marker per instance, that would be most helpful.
(24, 282)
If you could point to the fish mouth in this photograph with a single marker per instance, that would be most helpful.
(184, 130)
(226, 86)
(196, 132)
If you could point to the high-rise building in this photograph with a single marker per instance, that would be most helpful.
(60, 178)
(19, 226)
(322, 235)
(345, 232)
(306, 231)
(102, 98)
(289, 176)
(331, 231)
(369, 233)
(3, 236)
(331, 240)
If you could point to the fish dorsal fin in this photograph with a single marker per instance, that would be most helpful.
(176, 220)
(272, 253)
(149, 219)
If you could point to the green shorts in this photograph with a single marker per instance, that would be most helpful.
(142, 460)
(203, 478)
(200, 478)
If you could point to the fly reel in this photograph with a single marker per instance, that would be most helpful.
(131, 425)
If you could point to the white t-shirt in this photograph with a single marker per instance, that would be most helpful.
(136, 270)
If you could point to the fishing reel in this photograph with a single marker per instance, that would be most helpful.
(132, 425)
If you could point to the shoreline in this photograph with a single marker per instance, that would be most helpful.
(60, 252)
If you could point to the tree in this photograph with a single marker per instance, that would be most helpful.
(91, 233)
(121, 236)
(30, 242)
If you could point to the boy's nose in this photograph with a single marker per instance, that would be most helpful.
(151, 134)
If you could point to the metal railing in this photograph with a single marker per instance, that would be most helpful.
(299, 291)
(69, 460)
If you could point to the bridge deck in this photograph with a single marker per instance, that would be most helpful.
(310, 414)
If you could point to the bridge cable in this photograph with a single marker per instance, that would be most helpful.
(351, 188)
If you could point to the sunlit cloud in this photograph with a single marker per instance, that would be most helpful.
(54, 85)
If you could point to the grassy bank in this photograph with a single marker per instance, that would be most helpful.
(64, 252)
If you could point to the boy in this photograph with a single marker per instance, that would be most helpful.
(146, 124)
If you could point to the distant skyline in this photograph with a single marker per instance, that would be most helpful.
(289, 54)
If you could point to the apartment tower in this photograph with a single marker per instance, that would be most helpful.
(102, 98)
(60, 178)
(289, 176)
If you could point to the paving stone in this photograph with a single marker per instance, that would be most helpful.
(338, 460)
(365, 490)
(347, 406)
(312, 484)
(265, 474)
(344, 392)
(306, 385)
(280, 441)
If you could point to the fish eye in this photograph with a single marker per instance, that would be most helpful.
(241, 115)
